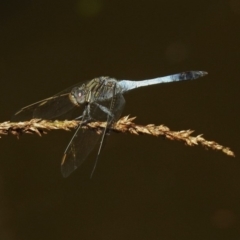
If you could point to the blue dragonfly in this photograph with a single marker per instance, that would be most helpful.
(100, 99)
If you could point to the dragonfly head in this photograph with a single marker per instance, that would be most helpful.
(78, 96)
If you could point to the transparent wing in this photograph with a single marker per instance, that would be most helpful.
(116, 107)
(49, 108)
(84, 140)
(81, 145)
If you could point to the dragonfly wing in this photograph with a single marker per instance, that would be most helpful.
(84, 140)
(118, 106)
(81, 145)
(113, 114)
(54, 108)
(49, 108)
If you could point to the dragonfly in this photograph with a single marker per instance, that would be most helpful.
(100, 99)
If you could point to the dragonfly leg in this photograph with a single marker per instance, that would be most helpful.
(105, 109)
(85, 115)
(80, 117)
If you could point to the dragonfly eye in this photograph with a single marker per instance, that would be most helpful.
(78, 96)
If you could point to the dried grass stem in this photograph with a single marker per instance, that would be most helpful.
(125, 124)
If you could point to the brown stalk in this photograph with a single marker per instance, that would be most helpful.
(125, 124)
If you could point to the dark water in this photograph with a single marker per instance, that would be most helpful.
(143, 187)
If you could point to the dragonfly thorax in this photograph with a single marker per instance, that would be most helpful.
(97, 90)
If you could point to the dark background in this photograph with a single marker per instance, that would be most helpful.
(144, 187)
